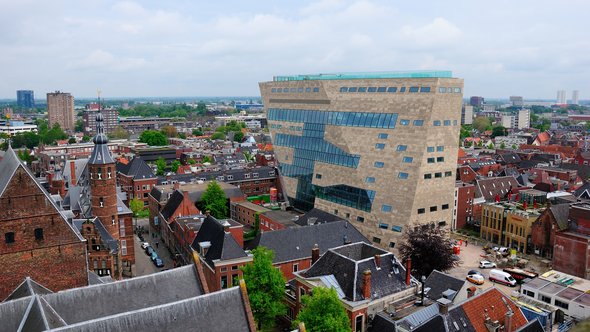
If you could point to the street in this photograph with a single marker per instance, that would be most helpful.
(143, 263)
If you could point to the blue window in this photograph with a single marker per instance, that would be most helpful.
(407, 160)
(454, 122)
(430, 149)
(343, 89)
(457, 90)
(447, 122)
(392, 89)
(318, 176)
(381, 89)
(383, 225)
(440, 148)
(363, 89)
(403, 175)
(372, 89)
(402, 147)
(307, 89)
(285, 89)
(299, 90)
(436, 123)
(379, 146)
(418, 123)
(396, 228)
(273, 90)
(442, 90)
(370, 179)
(425, 89)
(293, 90)
(404, 122)
(353, 89)
(383, 136)
(385, 208)
(413, 89)
(402, 89)
(379, 164)
(430, 160)
(440, 159)
(316, 89)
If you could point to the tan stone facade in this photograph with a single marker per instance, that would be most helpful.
(392, 163)
(60, 109)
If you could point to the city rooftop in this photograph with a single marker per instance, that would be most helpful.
(366, 75)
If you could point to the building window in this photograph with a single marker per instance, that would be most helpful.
(379, 164)
(124, 247)
(430, 160)
(545, 299)
(430, 149)
(101, 202)
(447, 122)
(385, 208)
(392, 89)
(255, 175)
(363, 89)
(376, 240)
(343, 89)
(9, 237)
(440, 159)
(425, 89)
(529, 293)
(421, 211)
(372, 89)
(407, 160)
(404, 122)
(370, 179)
(445, 206)
(403, 175)
(438, 175)
(427, 176)
(442, 90)
(402, 147)
(122, 229)
(383, 225)
(379, 146)
(316, 89)
(396, 229)
(295, 267)
(433, 209)
(383, 136)
(352, 89)
(562, 304)
(223, 282)
(391, 244)
(457, 90)
(413, 89)
(436, 123)
(360, 219)
(381, 89)
(448, 173)
(440, 148)
(230, 177)
(402, 89)
(318, 176)
(418, 123)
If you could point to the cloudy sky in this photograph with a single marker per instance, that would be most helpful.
(221, 48)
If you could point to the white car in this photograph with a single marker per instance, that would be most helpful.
(486, 265)
(144, 245)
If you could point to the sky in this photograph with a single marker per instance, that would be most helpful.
(530, 48)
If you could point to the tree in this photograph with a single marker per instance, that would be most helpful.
(85, 138)
(72, 140)
(514, 147)
(323, 312)
(499, 131)
(238, 136)
(169, 131)
(25, 156)
(266, 287)
(175, 164)
(206, 159)
(218, 135)
(201, 108)
(502, 146)
(490, 146)
(214, 200)
(153, 138)
(119, 133)
(481, 123)
(52, 135)
(79, 126)
(197, 132)
(136, 205)
(465, 131)
(161, 165)
(182, 135)
(429, 247)
(191, 161)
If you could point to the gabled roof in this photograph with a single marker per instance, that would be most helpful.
(105, 236)
(296, 243)
(222, 244)
(173, 203)
(137, 168)
(439, 282)
(583, 191)
(315, 216)
(27, 288)
(493, 304)
(490, 187)
(509, 158)
(561, 214)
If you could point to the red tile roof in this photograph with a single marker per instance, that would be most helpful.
(490, 304)
(543, 137)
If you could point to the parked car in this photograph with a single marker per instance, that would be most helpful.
(158, 262)
(502, 277)
(477, 279)
(486, 265)
(149, 250)
(474, 272)
(144, 245)
(154, 256)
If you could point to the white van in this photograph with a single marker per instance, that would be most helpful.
(502, 277)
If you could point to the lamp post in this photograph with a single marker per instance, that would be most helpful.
(423, 279)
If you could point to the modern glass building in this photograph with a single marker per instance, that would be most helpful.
(378, 149)
(25, 98)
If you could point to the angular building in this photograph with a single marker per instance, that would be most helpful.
(25, 98)
(60, 109)
(378, 149)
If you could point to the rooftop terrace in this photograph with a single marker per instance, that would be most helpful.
(368, 75)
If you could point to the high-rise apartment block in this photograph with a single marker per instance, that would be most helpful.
(25, 98)
(111, 120)
(561, 97)
(467, 115)
(378, 149)
(60, 109)
(516, 101)
(476, 101)
(575, 97)
(519, 120)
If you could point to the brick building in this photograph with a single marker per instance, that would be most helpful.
(571, 252)
(37, 241)
(551, 221)
(60, 110)
(178, 205)
(245, 212)
(102, 248)
(463, 208)
(136, 179)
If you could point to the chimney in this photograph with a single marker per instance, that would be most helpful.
(315, 254)
(378, 261)
(176, 186)
(470, 292)
(443, 306)
(508, 321)
(408, 270)
(73, 172)
(367, 284)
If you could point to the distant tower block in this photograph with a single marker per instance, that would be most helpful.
(575, 97)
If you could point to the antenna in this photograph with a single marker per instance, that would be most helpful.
(98, 94)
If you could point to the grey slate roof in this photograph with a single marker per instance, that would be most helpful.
(316, 216)
(8, 166)
(561, 213)
(490, 187)
(173, 203)
(223, 245)
(27, 288)
(106, 237)
(237, 175)
(296, 243)
(137, 168)
(583, 191)
(79, 165)
(439, 282)
(532, 326)
(100, 153)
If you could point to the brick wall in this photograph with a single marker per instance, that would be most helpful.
(570, 254)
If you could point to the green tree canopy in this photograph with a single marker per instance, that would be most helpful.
(79, 126)
(499, 131)
(201, 108)
(482, 123)
(119, 133)
(214, 200)
(169, 131)
(175, 164)
(72, 140)
(136, 205)
(197, 132)
(429, 247)
(465, 131)
(266, 287)
(153, 138)
(218, 135)
(238, 136)
(161, 166)
(85, 138)
(52, 135)
(323, 312)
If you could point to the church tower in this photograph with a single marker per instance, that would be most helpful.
(103, 181)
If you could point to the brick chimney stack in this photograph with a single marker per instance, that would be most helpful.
(315, 254)
(470, 292)
(508, 321)
(378, 261)
(367, 284)
(176, 186)
(408, 271)
(73, 172)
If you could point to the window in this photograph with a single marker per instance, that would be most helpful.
(360, 219)
(529, 293)
(101, 202)
(407, 160)
(418, 123)
(442, 90)
(376, 240)
(254, 175)
(440, 159)
(433, 209)
(230, 177)
(404, 122)
(448, 173)
(223, 282)
(545, 299)
(383, 225)
(425, 89)
(234, 267)
(392, 244)
(370, 179)
(385, 208)
(372, 89)
(122, 229)
(396, 229)
(301, 292)
(343, 89)
(292, 90)
(123, 247)
(383, 136)
(318, 176)
(379, 164)
(414, 89)
(295, 267)
(220, 178)
(353, 89)
(454, 122)
(247, 176)
(9, 237)
(457, 90)
(363, 89)
(273, 90)
(223, 269)
(402, 147)
(421, 211)
(427, 176)
(299, 90)
(381, 89)
(440, 148)
(562, 304)
(438, 175)
(445, 207)
(402, 89)
(392, 89)
(403, 175)
(316, 89)
(379, 146)
(430, 149)
(307, 89)
(430, 160)
(436, 123)
(447, 122)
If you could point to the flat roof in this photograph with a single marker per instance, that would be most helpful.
(366, 75)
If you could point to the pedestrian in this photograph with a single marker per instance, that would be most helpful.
(157, 244)
(466, 243)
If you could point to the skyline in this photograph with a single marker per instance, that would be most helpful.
(529, 48)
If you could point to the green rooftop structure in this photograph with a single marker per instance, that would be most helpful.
(367, 75)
